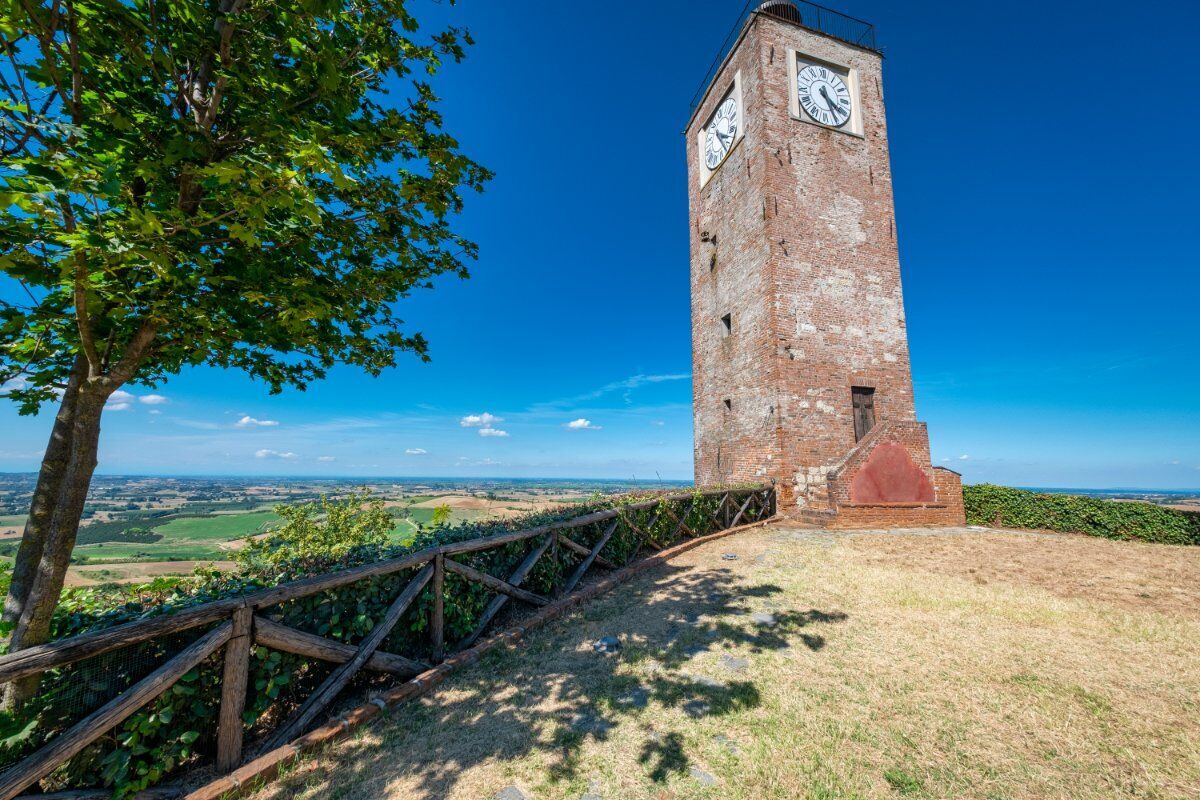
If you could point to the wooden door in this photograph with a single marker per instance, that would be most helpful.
(863, 398)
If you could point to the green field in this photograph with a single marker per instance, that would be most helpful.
(186, 538)
(404, 531)
(223, 527)
(158, 551)
(200, 538)
(457, 515)
(12, 519)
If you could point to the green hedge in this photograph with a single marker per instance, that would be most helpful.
(1002, 507)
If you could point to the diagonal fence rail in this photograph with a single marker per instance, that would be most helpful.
(233, 635)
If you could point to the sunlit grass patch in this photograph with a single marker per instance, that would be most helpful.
(821, 666)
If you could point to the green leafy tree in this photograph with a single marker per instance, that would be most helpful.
(232, 183)
(440, 515)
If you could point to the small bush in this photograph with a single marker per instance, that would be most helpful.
(1003, 507)
(325, 530)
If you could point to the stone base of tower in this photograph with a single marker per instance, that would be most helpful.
(886, 481)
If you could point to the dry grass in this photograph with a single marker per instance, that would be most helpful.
(949, 666)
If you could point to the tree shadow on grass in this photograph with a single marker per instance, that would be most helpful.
(549, 697)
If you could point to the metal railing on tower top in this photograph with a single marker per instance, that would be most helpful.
(810, 15)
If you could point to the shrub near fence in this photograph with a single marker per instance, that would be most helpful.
(292, 640)
(1002, 507)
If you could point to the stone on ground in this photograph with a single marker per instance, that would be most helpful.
(727, 743)
(734, 664)
(636, 697)
(765, 619)
(608, 645)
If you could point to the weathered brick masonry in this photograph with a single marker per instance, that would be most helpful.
(794, 237)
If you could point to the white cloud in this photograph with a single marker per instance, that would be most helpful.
(492, 432)
(626, 387)
(154, 411)
(14, 384)
(119, 401)
(21, 382)
(582, 424)
(484, 420)
(658, 423)
(273, 454)
(415, 451)
(153, 399)
(250, 422)
(463, 461)
(326, 458)
(963, 457)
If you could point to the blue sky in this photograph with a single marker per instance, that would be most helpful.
(1046, 181)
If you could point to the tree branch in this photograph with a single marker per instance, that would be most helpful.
(76, 72)
(82, 319)
(137, 350)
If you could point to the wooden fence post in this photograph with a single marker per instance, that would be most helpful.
(68, 744)
(337, 680)
(438, 621)
(233, 691)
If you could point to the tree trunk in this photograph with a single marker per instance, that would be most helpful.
(45, 496)
(33, 625)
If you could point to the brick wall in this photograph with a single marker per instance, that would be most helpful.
(947, 511)
(728, 250)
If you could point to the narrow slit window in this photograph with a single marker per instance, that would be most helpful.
(728, 404)
(863, 401)
(727, 324)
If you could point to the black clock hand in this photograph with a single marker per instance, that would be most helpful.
(834, 108)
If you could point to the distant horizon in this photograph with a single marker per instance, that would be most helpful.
(555, 479)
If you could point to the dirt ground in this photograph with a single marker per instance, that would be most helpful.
(499, 508)
(791, 663)
(134, 572)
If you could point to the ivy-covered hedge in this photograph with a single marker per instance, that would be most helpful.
(1003, 507)
(179, 728)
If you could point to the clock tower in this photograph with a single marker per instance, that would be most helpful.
(800, 355)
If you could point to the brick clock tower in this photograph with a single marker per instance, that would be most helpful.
(800, 355)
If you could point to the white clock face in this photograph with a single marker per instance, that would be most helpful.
(823, 95)
(721, 133)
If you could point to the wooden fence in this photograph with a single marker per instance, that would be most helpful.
(237, 623)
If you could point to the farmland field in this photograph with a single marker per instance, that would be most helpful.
(11, 525)
(223, 527)
(186, 538)
(215, 537)
(138, 528)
